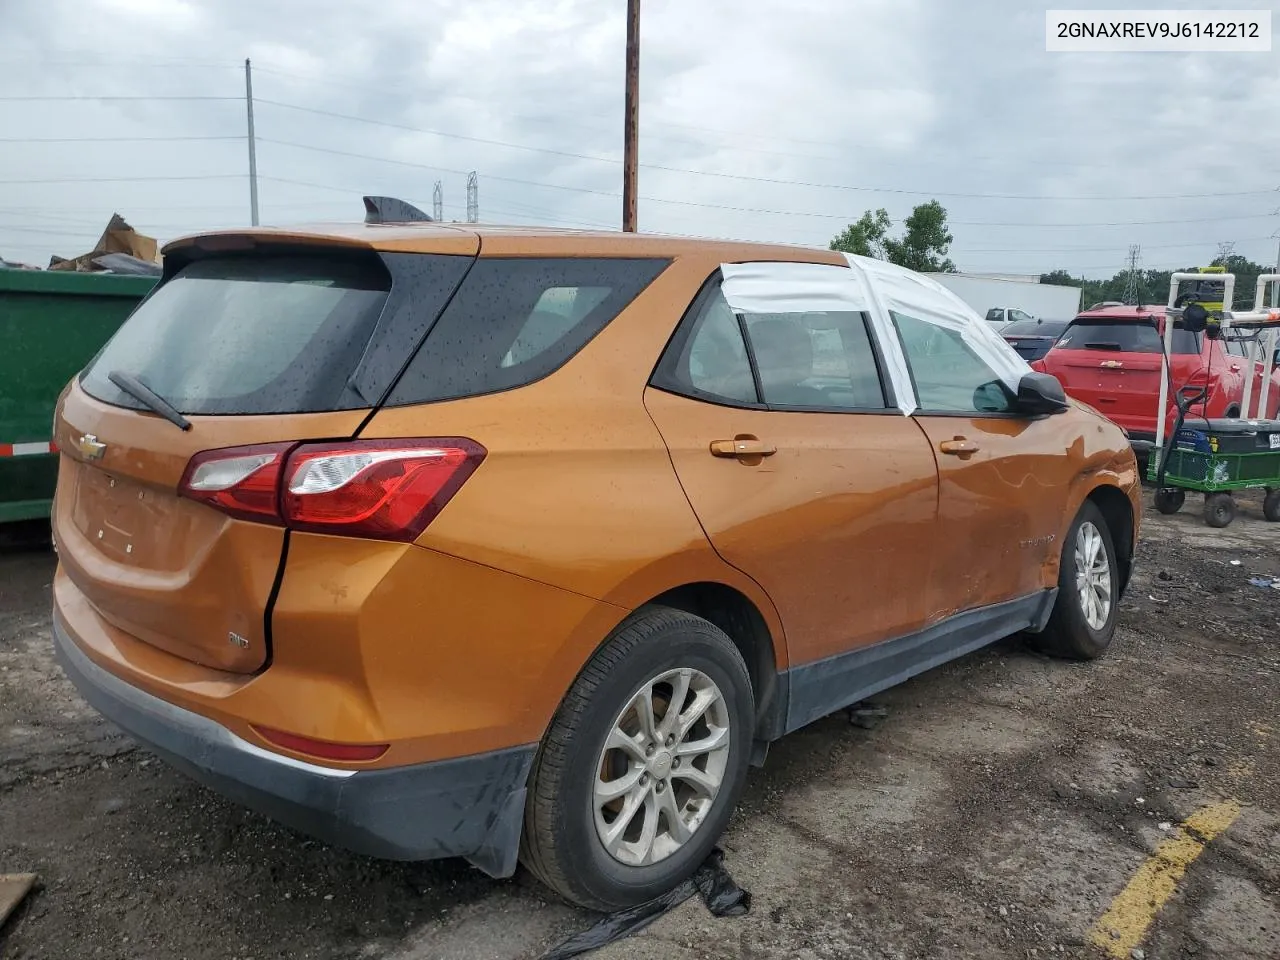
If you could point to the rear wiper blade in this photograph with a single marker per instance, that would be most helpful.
(152, 400)
(1103, 345)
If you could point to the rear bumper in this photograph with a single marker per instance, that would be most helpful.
(468, 807)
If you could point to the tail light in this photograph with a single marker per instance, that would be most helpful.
(324, 749)
(378, 489)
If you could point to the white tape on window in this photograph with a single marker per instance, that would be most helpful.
(776, 287)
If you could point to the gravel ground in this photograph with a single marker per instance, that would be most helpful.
(995, 812)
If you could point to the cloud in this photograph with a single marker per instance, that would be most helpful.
(751, 112)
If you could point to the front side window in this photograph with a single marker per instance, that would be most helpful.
(949, 377)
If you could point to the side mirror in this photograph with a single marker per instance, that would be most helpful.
(1040, 394)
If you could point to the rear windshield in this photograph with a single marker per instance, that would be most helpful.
(1125, 336)
(248, 335)
(1034, 328)
(516, 320)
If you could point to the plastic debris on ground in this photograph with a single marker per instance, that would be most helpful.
(722, 897)
(1271, 583)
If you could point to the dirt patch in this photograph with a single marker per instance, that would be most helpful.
(996, 810)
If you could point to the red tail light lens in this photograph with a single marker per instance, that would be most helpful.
(240, 481)
(378, 489)
(324, 749)
(382, 489)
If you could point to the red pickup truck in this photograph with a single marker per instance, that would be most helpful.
(1109, 358)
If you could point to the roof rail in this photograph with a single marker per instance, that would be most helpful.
(391, 210)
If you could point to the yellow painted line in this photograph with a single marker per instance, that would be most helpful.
(1125, 924)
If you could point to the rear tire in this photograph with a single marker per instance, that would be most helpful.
(1219, 509)
(1083, 621)
(1271, 506)
(577, 843)
(1170, 500)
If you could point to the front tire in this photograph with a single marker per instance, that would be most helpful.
(627, 799)
(1083, 621)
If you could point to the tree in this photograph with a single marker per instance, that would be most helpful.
(1060, 278)
(866, 237)
(1153, 285)
(1246, 272)
(923, 245)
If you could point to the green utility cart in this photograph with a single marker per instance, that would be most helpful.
(52, 323)
(1216, 457)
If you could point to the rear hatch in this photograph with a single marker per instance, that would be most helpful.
(260, 348)
(1113, 364)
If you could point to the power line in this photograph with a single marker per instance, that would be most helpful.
(113, 139)
(650, 166)
(719, 206)
(1095, 246)
(746, 177)
(64, 99)
(211, 176)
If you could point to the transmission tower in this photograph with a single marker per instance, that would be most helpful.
(473, 198)
(1133, 284)
(437, 202)
(1225, 249)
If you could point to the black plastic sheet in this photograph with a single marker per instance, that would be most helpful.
(712, 882)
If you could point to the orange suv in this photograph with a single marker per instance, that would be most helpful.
(443, 540)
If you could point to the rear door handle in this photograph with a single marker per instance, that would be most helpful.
(959, 447)
(742, 447)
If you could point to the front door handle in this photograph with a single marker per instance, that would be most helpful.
(959, 447)
(742, 447)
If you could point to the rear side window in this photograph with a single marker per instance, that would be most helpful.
(1125, 336)
(800, 361)
(248, 336)
(816, 360)
(517, 320)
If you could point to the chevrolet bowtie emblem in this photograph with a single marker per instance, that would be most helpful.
(1111, 364)
(89, 446)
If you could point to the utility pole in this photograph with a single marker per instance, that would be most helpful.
(1275, 287)
(437, 202)
(631, 120)
(253, 154)
(473, 198)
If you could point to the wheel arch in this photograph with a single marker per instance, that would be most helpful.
(1117, 509)
(744, 623)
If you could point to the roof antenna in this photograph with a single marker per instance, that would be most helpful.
(391, 210)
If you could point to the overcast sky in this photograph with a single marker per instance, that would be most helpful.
(841, 104)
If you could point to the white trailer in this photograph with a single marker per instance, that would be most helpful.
(1026, 295)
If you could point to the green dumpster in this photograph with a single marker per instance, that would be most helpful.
(52, 323)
